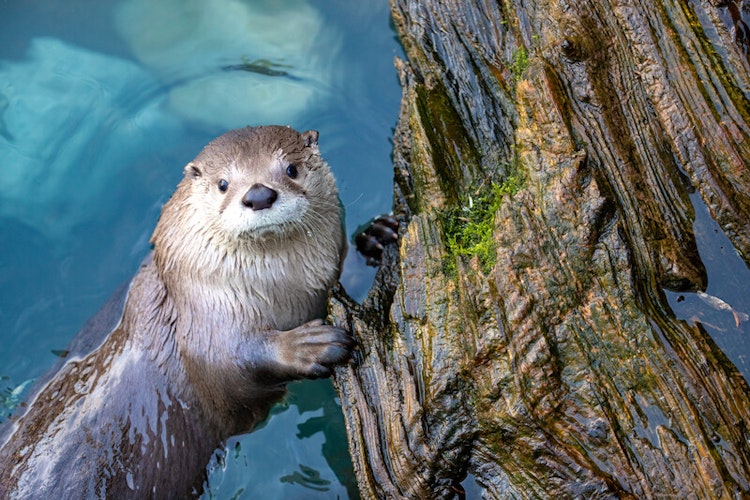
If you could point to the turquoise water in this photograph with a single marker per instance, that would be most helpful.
(102, 104)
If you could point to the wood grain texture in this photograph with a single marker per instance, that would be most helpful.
(557, 368)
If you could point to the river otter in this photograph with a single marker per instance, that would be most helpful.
(218, 319)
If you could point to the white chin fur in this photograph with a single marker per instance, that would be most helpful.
(241, 220)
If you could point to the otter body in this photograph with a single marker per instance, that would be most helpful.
(201, 344)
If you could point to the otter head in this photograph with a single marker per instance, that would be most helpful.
(251, 190)
(260, 183)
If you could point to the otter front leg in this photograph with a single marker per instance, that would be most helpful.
(308, 351)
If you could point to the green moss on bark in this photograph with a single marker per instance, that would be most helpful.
(468, 229)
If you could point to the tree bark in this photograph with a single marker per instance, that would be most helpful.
(546, 361)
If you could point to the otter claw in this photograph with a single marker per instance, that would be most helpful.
(370, 242)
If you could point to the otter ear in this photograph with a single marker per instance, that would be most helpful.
(192, 170)
(310, 138)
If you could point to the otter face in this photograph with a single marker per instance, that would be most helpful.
(258, 183)
(251, 197)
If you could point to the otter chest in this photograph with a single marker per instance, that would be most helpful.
(282, 292)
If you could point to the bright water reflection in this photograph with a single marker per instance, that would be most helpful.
(102, 103)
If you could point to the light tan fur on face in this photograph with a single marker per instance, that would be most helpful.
(290, 208)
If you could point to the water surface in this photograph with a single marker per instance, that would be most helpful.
(723, 308)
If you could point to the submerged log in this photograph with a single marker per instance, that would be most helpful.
(520, 334)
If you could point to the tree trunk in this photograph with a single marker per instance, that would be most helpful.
(520, 334)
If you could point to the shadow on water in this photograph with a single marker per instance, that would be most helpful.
(723, 308)
(319, 427)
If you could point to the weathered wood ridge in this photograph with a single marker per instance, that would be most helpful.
(520, 333)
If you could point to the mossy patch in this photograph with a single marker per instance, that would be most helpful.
(469, 228)
(519, 63)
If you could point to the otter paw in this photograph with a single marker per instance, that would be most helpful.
(370, 242)
(311, 350)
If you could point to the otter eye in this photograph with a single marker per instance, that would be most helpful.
(223, 185)
(292, 172)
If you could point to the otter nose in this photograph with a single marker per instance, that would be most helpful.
(259, 197)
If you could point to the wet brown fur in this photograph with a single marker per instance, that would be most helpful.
(212, 327)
